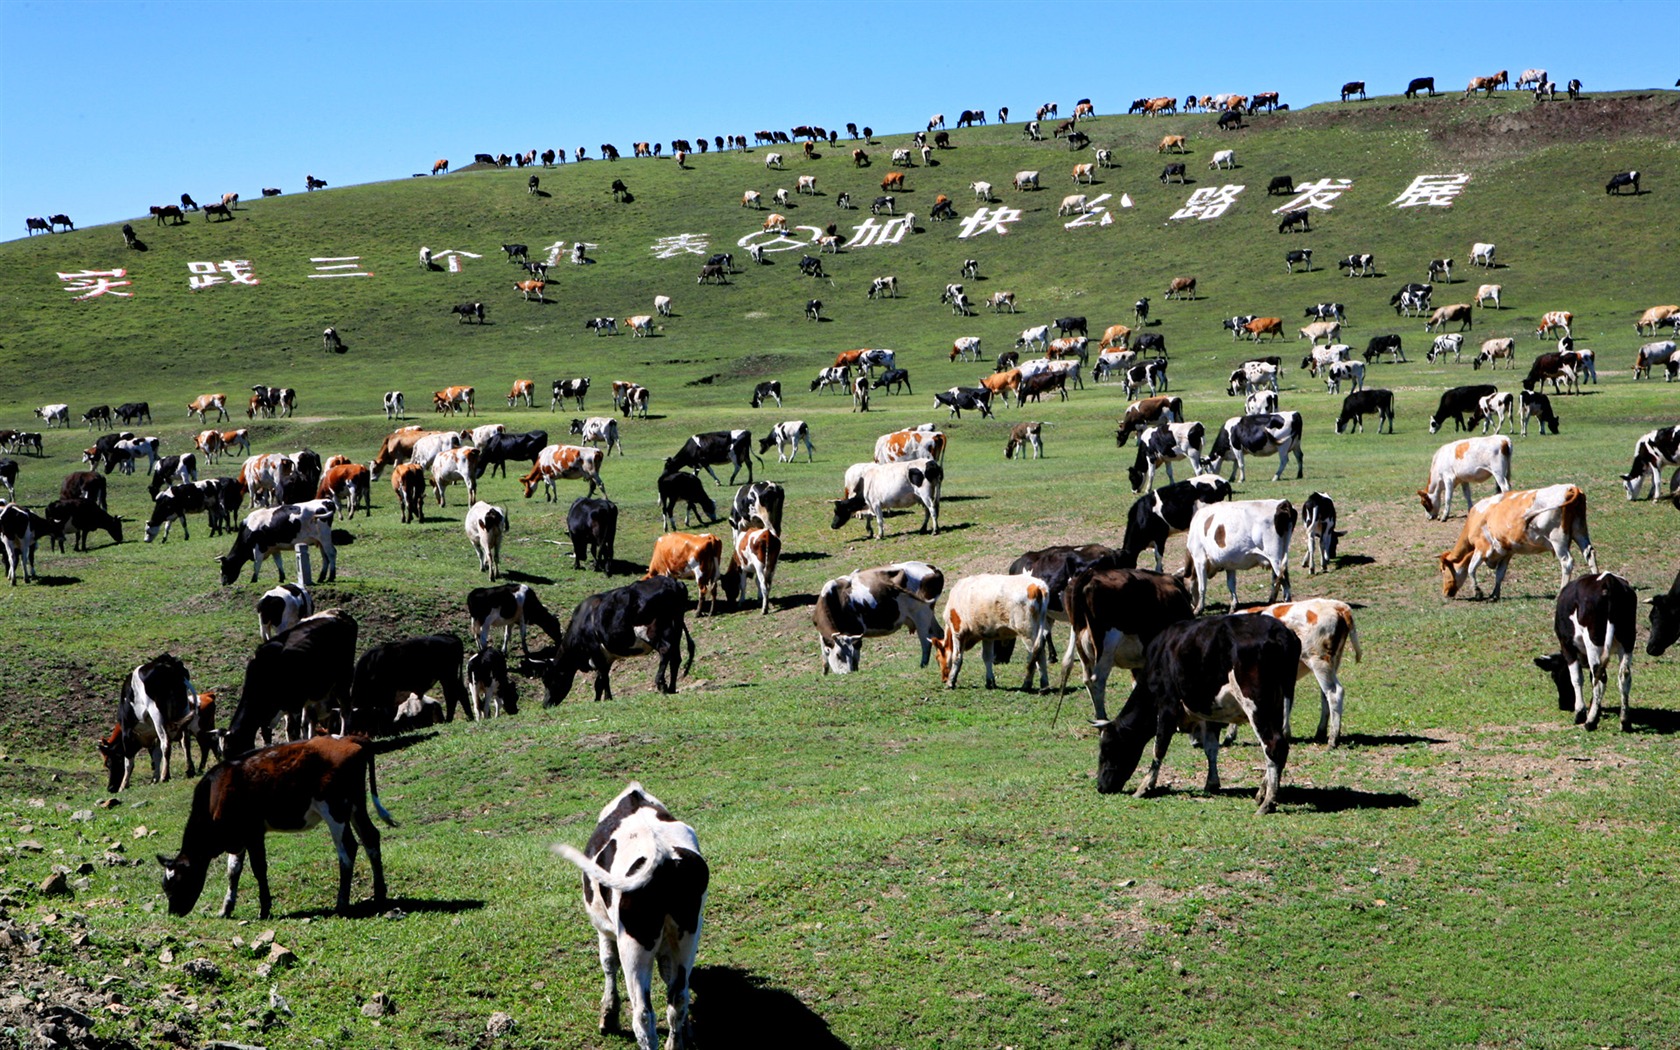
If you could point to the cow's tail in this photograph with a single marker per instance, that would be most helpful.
(596, 873)
(373, 790)
(689, 666)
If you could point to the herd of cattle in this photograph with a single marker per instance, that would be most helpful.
(644, 877)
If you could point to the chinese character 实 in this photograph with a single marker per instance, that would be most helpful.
(1437, 191)
(95, 283)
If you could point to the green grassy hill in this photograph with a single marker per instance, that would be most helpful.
(894, 864)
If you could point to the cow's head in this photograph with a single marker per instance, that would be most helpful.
(841, 653)
(1665, 623)
(115, 757)
(845, 509)
(1424, 498)
(557, 669)
(230, 569)
(1558, 667)
(1452, 575)
(1120, 741)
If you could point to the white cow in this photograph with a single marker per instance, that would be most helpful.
(485, 526)
(452, 465)
(1481, 254)
(1074, 203)
(1458, 463)
(879, 487)
(1024, 179)
(989, 608)
(1225, 158)
(1240, 535)
(1039, 335)
(982, 190)
(59, 414)
(772, 160)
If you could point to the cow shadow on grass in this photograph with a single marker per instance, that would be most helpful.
(736, 1007)
(544, 194)
(1382, 739)
(959, 499)
(367, 909)
(401, 742)
(1339, 799)
(1651, 720)
(1345, 560)
(515, 576)
(56, 581)
(806, 556)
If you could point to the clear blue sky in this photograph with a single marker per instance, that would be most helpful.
(107, 108)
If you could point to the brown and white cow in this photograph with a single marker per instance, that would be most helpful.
(350, 484)
(455, 465)
(523, 390)
(453, 399)
(1527, 521)
(1113, 615)
(1326, 629)
(987, 608)
(1462, 313)
(408, 482)
(291, 787)
(1656, 315)
(1237, 535)
(1457, 464)
(1179, 287)
(904, 445)
(755, 553)
(682, 555)
(204, 403)
(564, 463)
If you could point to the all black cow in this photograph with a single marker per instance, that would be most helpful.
(645, 617)
(387, 674)
(592, 525)
(303, 673)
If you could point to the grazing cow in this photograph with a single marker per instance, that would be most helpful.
(1595, 624)
(1353, 87)
(1352, 372)
(1554, 320)
(1457, 464)
(1200, 674)
(1481, 254)
(873, 603)
(894, 380)
(675, 485)
(1445, 315)
(644, 887)
(1329, 331)
(158, 707)
(490, 690)
(1178, 289)
(564, 463)
(1356, 406)
(506, 606)
(1653, 451)
(1243, 436)
(485, 526)
(1318, 521)
(87, 485)
(879, 487)
(1251, 376)
(786, 437)
(1657, 353)
(1148, 412)
(837, 376)
(217, 498)
(1381, 344)
(1161, 445)
(1359, 265)
(1300, 219)
(766, 391)
(282, 608)
(662, 305)
(989, 608)
(1026, 179)
(1174, 143)
(288, 788)
(1455, 402)
(271, 530)
(718, 446)
(1452, 343)
(523, 390)
(1325, 628)
(497, 451)
(1172, 171)
(1530, 521)
(1537, 405)
(977, 399)
(882, 287)
(1488, 84)
(1240, 535)
(1495, 350)
(592, 525)
(1322, 357)
(1653, 318)
(1417, 84)
(82, 516)
(644, 617)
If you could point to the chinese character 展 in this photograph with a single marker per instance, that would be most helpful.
(1437, 191)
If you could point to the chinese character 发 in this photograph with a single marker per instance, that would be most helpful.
(1321, 194)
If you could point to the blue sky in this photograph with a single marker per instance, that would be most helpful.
(107, 108)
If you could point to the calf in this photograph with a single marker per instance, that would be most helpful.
(987, 608)
(1318, 521)
(1240, 535)
(288, 788)
(1665, 620)
(1356, 406)
(1024, 436)
(283, 608)
(592, 525)
(1326, 629)
(1200, 674)
(1457, 464)
(652, 863)
(490, 690)
(485, 527)
(507, 606)
(889, 486)
(1595, 624)
(1653, 451)
(158, 706)
(1529, 521)
(408, 482)
(675, 485)
(786, 437)
(1243, 436)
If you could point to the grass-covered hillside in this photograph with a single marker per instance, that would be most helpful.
(894, 864)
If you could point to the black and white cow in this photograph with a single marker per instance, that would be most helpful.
(217, 498)
(644, 888)
(83, 517)
(568, 388)
(489, 686)
(506, 606)
(20, 531)
(1114, 613)
(173, 470)
(270, 531)
(959, 398)
(873, 603)
(1318, 521)
(1456, 401)
(1357, 405)
(880, 487)
(1651, 453)
(644, 617)
(767, 391)
(761, 502)
(1595, 623)
(386, 674)
(718, 446)
(592, 525)
(303, 673)
(1166, 512)
(785, 437)
(158, 707)
(1243, 436)
(1537, 406)
(1326, 312)
(1162, 445)
(283, 608)
(1200, 675)
(680, 486)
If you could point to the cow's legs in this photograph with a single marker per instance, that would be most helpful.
(1624, 682)
(1207, 738)
(715, 479)
(235, 866)
(608, 950)
(1166, 724)
(638, 984)
(986, 655)
(364, 827)
(1231, 585)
